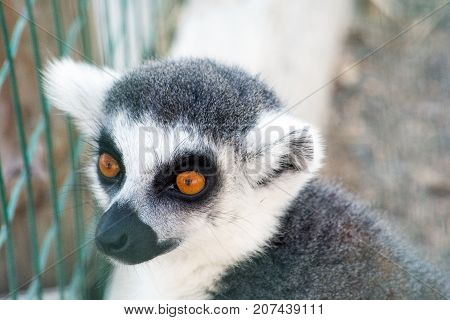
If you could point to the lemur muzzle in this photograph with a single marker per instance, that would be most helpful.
(122, 235)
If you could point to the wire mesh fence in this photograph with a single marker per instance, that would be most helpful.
(45, 179)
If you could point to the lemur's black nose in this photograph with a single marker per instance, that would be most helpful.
(122, 235)
(111, 242)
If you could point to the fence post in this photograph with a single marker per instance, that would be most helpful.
(31, 212)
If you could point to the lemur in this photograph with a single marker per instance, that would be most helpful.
(209, 191)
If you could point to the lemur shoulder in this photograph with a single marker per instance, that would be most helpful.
(209, 191)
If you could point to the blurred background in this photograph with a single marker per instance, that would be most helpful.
(373, 75)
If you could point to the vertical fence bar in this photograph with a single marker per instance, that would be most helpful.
(110, 57)
(50, 154)
(26, 161)
(85, 34)
(138, 28)
(156, 25)
(79, 224)
(125, 38)
(10, 259)
(58, 25)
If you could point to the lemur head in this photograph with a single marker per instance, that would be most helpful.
(184, 150)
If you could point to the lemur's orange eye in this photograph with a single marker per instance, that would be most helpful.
(190, 182)
(108, 165)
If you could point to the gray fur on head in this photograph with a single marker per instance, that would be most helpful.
(220, 101)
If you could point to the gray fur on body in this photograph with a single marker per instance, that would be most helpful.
(329, 247)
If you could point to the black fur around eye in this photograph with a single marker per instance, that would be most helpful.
(106, 145)
(165, 182)
(194, 162)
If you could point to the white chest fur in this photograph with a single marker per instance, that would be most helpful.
(160, 279)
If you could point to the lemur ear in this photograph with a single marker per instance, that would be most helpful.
(78, 89)
(280, 144)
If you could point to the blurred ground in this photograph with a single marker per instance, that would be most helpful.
(389, 136)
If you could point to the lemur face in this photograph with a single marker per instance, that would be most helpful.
(180, 149)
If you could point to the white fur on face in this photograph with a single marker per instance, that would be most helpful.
(245, 219)
(144, 146)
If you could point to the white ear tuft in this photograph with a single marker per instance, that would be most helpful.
(78, 89)
(281, 143)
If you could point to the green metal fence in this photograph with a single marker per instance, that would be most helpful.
(98, 41)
